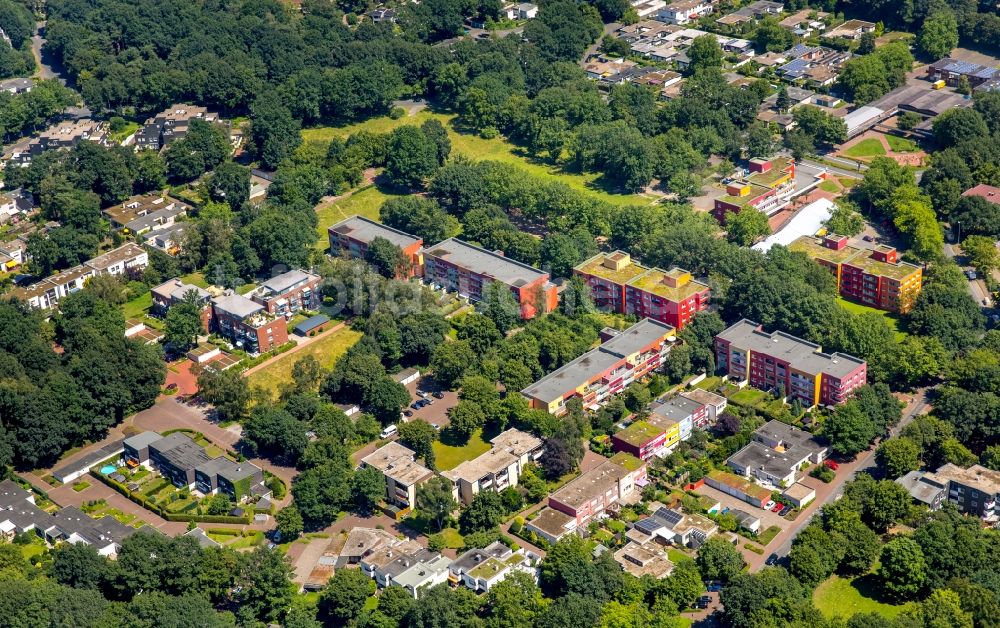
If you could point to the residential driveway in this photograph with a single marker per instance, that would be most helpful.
(437, 412)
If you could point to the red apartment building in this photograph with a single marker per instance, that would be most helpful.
(618, 284)
(641, 439)
(289, 292)
(766, 187)
(468, 270)
(600, 489)
(173, 291)
(622, 358)
(877, 278)
(352, 236)
(247, 324)
(789, 366)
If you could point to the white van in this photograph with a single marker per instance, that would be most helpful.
(390, 430)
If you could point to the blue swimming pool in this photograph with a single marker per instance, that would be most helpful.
(108, 470)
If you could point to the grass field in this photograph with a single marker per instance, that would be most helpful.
(448, 457)
(364, 203)
(748, 397)
(857, 308)
(838, 597)
(829, 186)
(475, 147)
(138, 307)
(901, 144)
(870, 147)
(327, 349)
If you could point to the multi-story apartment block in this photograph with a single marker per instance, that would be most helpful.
(288, 293)
(623, 357)
(247, 324)
(169, 125)
(612, 482)
(974, 490)
(786, 365)
(877, 277)
(619, 284)
(403, 474)
(642, 439)
(498, 468)
(352, 236)
(468, 270)
(767, 187)
(713, 405)
(173, 291)
(123, 261)
(145, 212)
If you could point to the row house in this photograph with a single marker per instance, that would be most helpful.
(64, 135)
(816, 66)
(876, 278)
(619, 284)
(498, 468)
(289, 292)
(407, 565)
(168, 240)
(402, 474)
(174, 291)
(352, 236)
(144, 213)
(623, 357)
(975, 490)
(247, 324)
(457, 266)
(677, 528)
(127, 260)
(667, 423)
(19, 514)
(482, 569)
(766, 187)
(615, 481)
(187, 465)
(788, 366)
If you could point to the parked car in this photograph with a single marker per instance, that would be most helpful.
(868, 238)
(784, 511)
(830, 464)
(408, 413)
(437, 394)
(971, 274)
(768, 505)
(388, 431)
(416, 405)
(777, 507)
(714, 586)
(771, 560)
(428, 402)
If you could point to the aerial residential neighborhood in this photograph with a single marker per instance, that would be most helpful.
(479, 315)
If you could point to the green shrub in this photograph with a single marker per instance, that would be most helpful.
(397, 112)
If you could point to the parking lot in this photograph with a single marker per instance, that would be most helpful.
(767, 518)
(436, 413)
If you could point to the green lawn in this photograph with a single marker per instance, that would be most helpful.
(709, 383)
(195, 279)
(870, 147)
(829, 186)
(768, 535)
(890, 318)
(748, 397)
(450, 456)
(676, 555)
(839, 597)
(139, 306)
(34, 548)
(452, 538)
(326, 349)
(472, 145)
(901, 144)
(364, 203)
(129, 129)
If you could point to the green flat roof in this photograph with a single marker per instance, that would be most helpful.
(884, 269)
(756, 191)
(735, 481)
(652, 281)
(639, 433)
(627, 460)
(777, 171)
(860, 258)
(813, 248)
(595, 266)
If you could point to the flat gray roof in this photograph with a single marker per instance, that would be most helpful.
(677, 408)
(800, 354)
(284, 281)
(143, 440)
(483, 262)
(759, 456)
(576, 372)
(365, 230)
(237, 305)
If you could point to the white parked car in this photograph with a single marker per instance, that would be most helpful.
(768, 506)
(388, 431)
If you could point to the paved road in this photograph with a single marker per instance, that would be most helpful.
(849, 170)
(609, 29)
(846, 473)
(45, 70)
(977, 288)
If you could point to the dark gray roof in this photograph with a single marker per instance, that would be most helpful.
(180, 451)
(312, 323)
(235, 472)
(143, 440)
(575, 373)
(800, 354)
(98, 532)
(89, 460)
(676, 409)
(758, 456)
(283, 282)
(483, 262)
(215, 466)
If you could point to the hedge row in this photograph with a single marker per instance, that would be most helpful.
(169, 516)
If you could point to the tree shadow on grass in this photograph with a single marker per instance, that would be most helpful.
(868, 586)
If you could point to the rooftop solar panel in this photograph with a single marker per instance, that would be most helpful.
(648, 526)
(672, 517)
